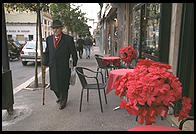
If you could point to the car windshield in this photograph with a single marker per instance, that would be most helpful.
(32, 45)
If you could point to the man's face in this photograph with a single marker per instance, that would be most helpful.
(57, 30)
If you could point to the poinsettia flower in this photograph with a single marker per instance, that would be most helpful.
(123, 103)
(186, 107)
(186, 102)
(146, 62)
(140, 119)
(150, 90)
(162, 110)
(164, 88)
(128, 53)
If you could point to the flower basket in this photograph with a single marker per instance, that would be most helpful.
(151, 90)
(128, 54)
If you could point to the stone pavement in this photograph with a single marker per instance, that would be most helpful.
(38, 117)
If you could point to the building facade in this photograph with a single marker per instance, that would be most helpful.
(21, 26)
(158, 30)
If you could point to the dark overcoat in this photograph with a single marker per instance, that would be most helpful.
(58, 61)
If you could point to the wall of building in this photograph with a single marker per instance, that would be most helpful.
(21, 29)
(120, 18)
(125, 34)
(24, 24)
(46, 25)
(104, 39)
(175, 35)
(126, 24)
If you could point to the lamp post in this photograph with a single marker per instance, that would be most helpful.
(7, 87)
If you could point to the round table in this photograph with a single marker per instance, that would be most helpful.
(115, 75)
(111, 60)
(154, 127)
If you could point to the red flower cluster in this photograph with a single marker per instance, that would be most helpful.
(151, 90)
(128, 53)
(186, 107)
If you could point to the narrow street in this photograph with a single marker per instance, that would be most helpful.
(20, 73)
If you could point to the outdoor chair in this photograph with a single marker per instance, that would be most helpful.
(98, 55)
(101, 66)
(83, 74)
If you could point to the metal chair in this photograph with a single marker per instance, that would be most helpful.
(98, 55)
(90, 86)
(101, 66)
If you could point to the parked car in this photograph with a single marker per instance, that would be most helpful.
(29, 50)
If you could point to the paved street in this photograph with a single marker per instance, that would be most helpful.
(38, 117)
(21, 73)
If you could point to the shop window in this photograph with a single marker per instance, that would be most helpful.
(9, 37)
(115, 35)
(30, 37)
(146, 23)
(45, 21)
(20, 37)
(136, 28)
(152, 30)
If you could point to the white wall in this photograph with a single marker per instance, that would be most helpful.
(25, 30)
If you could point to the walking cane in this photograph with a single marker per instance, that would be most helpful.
(43, 82)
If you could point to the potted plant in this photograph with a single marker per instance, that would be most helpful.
(150, 90)
(128, 53)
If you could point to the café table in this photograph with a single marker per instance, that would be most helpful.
(115, 75)
(111, 60)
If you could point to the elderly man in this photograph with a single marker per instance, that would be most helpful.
(58, 50)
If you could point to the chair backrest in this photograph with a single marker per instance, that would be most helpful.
(98, 55)
(80, 72)
(99, 62)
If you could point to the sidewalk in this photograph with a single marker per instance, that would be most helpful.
(48, 117)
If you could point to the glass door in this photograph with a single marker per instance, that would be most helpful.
(146, 23)
(152, 30)
(136, 28)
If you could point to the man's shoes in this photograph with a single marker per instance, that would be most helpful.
(62, 105)
(57, 101)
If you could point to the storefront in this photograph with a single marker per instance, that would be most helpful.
(22, 26)
(147, 37)
(111, 34)
(111, 29)
(161, 32)
(164, 32)
(21, 32)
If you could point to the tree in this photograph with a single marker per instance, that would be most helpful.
(61, 11)
(72, 18)
(33, 7)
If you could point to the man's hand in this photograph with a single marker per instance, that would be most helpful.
(44, 67)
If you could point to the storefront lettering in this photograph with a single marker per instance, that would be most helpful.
(14, 31)
(25, 31)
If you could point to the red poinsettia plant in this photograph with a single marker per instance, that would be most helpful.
(128, 53)
(150, 90)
